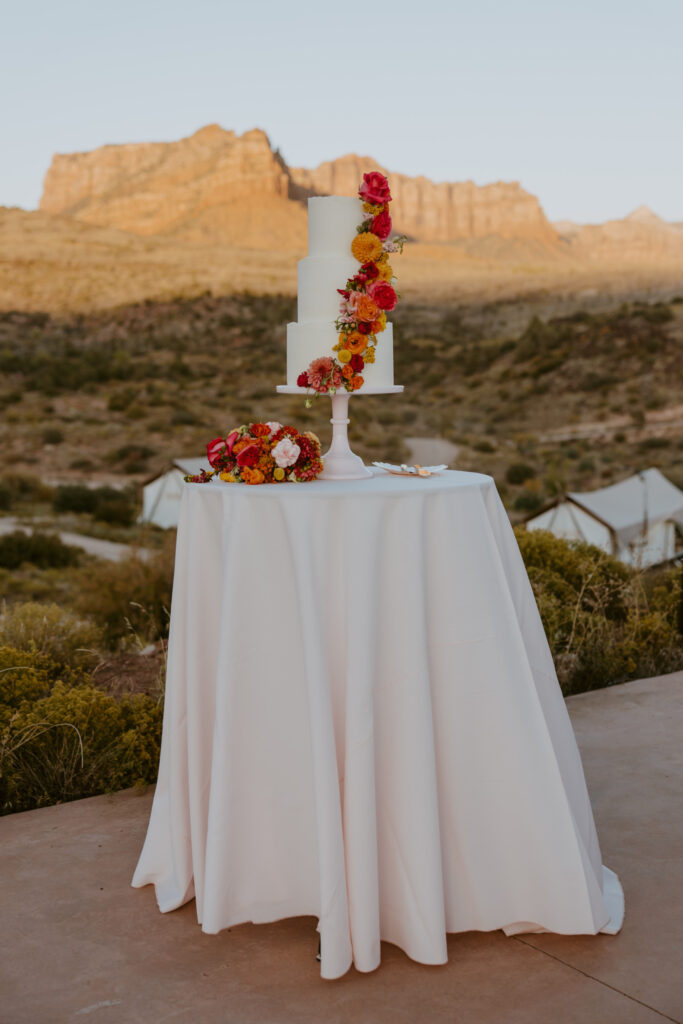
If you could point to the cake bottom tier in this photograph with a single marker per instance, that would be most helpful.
(306, 342)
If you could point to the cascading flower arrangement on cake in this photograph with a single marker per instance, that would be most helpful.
(262, 453)
(366, 298)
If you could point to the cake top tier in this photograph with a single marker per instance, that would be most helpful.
(332, 223)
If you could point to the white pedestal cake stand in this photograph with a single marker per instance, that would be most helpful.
(339, 462)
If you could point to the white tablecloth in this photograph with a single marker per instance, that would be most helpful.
(363, 724)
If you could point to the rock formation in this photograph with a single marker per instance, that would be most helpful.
(432, 212)
(212, 186)
(217, 186)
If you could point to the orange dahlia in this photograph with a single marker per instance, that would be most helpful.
(347, 372)
(252, 476)
(356, 382)
(366, 247)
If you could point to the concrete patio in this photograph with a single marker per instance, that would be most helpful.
(78, 943)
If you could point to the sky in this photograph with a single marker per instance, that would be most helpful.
(581, 102)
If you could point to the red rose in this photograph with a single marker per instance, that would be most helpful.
(381, 225)
(302, 380)
(383, 295)
(375, 189)
(370, 271)
(214, 450)
(363, 328)
(249, 456)
(356, 363)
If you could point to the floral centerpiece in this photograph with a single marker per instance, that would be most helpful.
(366, 298)
(262, 453)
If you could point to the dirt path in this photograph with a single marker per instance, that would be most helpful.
(108, 549)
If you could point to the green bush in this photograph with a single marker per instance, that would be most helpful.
(605, 622)
(24, 676)
(53, 632)
(132, 597)
(75, 498)
(77, 742)
(45, 550)
(108, 504)
(519, 473)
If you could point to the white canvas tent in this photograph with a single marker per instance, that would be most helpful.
(161, 495)
(635, 519)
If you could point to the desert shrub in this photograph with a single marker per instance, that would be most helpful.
(519, 473)
(53, 632)
(45, 550)
(77, 742)
(105, 503)
(25, 487)
(527, 501)
(52, 435)
(24, 676)
(132, 597)
(114, 507)
(605, 622)
(74, 498)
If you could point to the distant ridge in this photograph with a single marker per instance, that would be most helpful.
(220, 187)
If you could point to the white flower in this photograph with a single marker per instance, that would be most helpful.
(273, 426)
(286, 453)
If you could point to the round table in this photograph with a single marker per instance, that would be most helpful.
(363, 723)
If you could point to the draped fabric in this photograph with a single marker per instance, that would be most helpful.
(363, 723)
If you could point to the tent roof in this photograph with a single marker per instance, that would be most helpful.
(187, 466)
(624, 506)
(192, 466)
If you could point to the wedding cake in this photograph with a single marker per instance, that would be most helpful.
(341, 337)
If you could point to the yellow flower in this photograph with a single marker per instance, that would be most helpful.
(372, 208)
(369, 355)
(278, 473)
(227, 478)
(344, 356)
(386, 271)
(366, 247)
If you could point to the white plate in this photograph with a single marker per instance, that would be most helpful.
(403, 470)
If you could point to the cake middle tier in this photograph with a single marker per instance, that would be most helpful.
(319, 277)
(306, 342)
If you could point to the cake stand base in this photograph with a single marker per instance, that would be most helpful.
(339, 462)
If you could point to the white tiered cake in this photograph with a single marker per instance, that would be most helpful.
(332, 225)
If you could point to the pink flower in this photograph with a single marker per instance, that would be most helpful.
(383, 295)
(273, 426)
(286, 452)
(318, 370)
(375, 189)
(230, 440)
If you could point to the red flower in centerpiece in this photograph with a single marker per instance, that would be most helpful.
(259, 430)
(370, 270)
(249, 456)
(356, 363)
(381, 225)
(363, 328)
(383, 295)
(302, 380)
(375, 189)
(214, 449)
